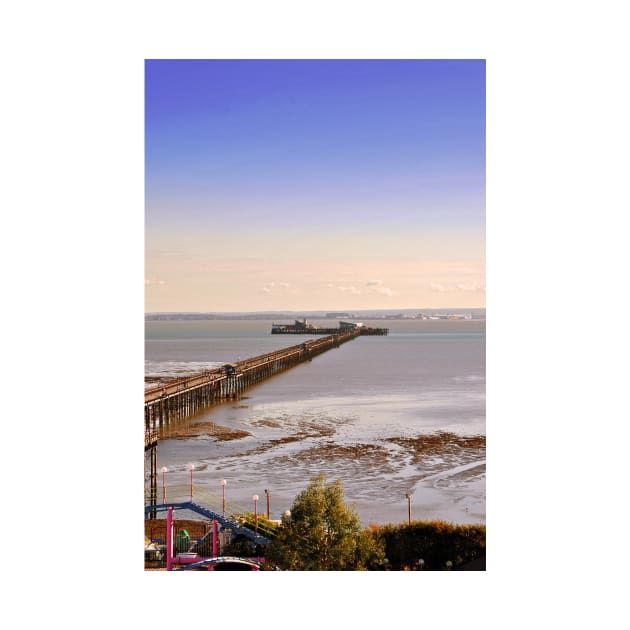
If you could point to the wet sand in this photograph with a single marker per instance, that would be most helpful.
(444, 472)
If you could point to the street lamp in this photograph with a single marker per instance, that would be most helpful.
(268, 495)
(409, 507)
(287, 515)
(164, 469)
(223, 482)
(191, 467)
(255, 498)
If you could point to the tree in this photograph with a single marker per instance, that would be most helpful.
(323, 534)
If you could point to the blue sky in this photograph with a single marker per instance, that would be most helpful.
(295, 184)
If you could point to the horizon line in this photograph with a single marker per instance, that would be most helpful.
(354, 310)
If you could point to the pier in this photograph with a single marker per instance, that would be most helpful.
(304, 328)
(176, 400)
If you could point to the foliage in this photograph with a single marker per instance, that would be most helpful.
(243, 547)
(260, 523)
(435, 542)
(323, 534)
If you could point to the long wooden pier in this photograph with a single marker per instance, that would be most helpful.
(178, 399)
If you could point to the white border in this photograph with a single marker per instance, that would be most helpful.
(72, 315)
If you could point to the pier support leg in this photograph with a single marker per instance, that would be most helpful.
(153, 481)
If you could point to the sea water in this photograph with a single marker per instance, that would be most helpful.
(367, 413)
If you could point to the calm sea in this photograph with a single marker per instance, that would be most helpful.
(366, 413)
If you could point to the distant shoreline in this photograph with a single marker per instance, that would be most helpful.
(477, 314)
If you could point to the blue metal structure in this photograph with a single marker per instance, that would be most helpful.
(227, 522)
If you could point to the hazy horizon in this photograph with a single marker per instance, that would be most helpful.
(331, 310)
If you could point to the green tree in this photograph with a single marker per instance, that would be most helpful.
(323, 534)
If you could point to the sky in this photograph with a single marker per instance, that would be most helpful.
(314, 184)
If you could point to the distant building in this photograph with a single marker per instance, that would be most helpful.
(338, 315)
(302, 325)
(298, 326)
(349, 325)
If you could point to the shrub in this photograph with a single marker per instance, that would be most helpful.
(435, 542)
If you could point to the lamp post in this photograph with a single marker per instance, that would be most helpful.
(408, 508)
(255, 498)
(191, 467)
(286, 518)
(268, 496)
(164, 469)
(223, 482)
